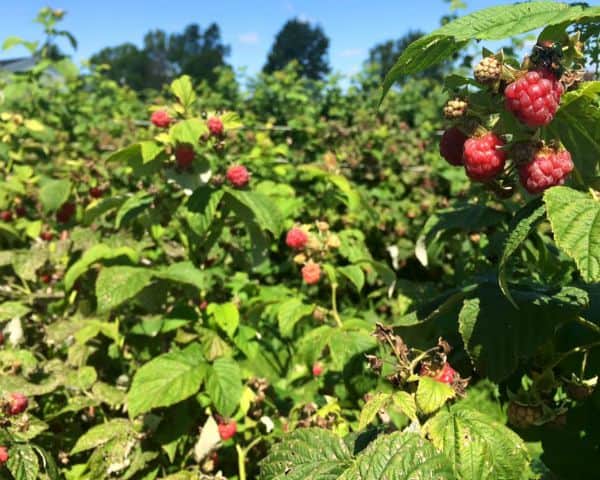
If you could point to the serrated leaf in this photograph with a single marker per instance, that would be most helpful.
(346, 342)
(188, 131)
(100, 434)
(93, 255)
(497, 335)
(183, 272)
(182, 88)
(478, 447)
(166, 380)
(405, 402)
(10, 310)
(372, 407)
(142, 152)
(132, 207)
(253, 205)
(575, 220)
(224, 385)
(432, 395)
(520, 227)
(226, 315)
(117, 284)
(355, 274)
(53, 193)
(290, 313)
(23, 462)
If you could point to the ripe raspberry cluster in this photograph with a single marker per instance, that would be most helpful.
(489, 144)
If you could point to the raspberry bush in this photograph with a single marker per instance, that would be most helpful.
(299, 280)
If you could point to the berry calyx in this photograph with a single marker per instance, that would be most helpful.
(96, 192)
(184, 156)
(17, 403)
(65, 212)
(238, 176)
(311, 273)
(534, 98)
(488, 70)
(455, 108)
(452, 145)
(3, 455)
(317, 369)
(161, 119)
(547, 168)
(483, 157)
(227, 429)
(215, 126)
(296, 238)
(6, 216)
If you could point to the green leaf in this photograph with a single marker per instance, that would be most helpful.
(368, 413)
(10, 310)
(307, 453)
(290, 313)
(432, 395)
(405, 402)
(166, 380)
(224, 385)
(100, 434)
(188, 131)
(346, 342)
(182, 88)
(519, 229)
(23, 462)
(497, 335)
(117, 284)
(575, 220)
(142, 152)
(183, 272)
(479, 447)
(93, 255)
(132, 207)
(253, 205)
(226, 315)
(355, 274)
(53, 193)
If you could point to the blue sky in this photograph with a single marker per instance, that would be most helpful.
(248, 26)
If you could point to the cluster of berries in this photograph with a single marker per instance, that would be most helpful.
(15, 405)
(310, 246)
(532, 95)
(237, 175)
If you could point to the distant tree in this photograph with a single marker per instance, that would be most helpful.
(165, 56)
(383, 56)
(300, 41)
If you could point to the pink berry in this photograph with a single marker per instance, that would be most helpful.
(446, 374)
(311, 273)
(317, 369)
(227, 429)
(296, 238)
(161, 119)
(483, 157)
(534, 98)
(6, 216)
(215, 126)
(3, 455)
(238, 176)
(546, 169)
(17, 403)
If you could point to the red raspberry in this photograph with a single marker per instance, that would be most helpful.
(548, 168)
(296, 238)
(65, 212)
(534, 98)
(96, 192)
(317, 369)
(184, 156)
(20, 210)
(46, 235)
(3, 455)
(161, 119)
(17, 403)
(238, 176)
(446, 374)
(227, 430)
(452, 144)
(311, 273)
(6, 215)
(215, 126)
(483, 158)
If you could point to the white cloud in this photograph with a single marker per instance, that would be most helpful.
(250, 38)
(352, 52)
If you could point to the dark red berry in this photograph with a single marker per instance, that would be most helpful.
(17, 403)
(227, 430)
(96, 192)
(6, 215)
(238, 176)
(184, 156)
(65, 212)
(548, 168)
(46, 235)
(483, 157)
(534, 98)
(452, 145)
(215, 126)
